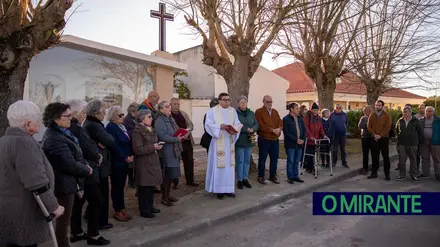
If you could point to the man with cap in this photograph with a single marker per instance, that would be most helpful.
(315, 131)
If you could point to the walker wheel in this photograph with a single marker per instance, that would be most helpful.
(331, 174)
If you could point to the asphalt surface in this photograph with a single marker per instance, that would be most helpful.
(292, 223)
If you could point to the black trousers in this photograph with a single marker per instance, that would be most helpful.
(105, 193)
(366, 150)
(325, 148)
(93, 196)
(378, 147)
(130, 175)
(188, 161)
(14, 245)
(118, 180)
(309, 161)
(146, 198)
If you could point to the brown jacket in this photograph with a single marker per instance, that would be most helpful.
(23, 168)
(268, 122)
(380, 125)
(190, 125)
(146, 161)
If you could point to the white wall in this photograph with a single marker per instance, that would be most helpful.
(264, 82)
(200, 78)
(196, 109)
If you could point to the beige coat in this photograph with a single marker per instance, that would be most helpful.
(23, 168)
(190, 125)
(146, 161)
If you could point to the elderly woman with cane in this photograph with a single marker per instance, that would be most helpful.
(25, 171)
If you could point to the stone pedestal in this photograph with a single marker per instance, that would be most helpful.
(163, 77)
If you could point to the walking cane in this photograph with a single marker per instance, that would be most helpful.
(48, 217)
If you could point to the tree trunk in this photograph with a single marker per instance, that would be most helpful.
(326, 91)
(373, 93)
(12, 85)
(238, 81)
(238, 85)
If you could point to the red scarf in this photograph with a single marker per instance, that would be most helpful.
(148, 104)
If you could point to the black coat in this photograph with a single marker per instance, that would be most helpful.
(89, 149)
(291, 136)
(130, 124)
(66, 158)
(206, 138)
(98, 134)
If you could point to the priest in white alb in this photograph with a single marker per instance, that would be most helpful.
(220, 171)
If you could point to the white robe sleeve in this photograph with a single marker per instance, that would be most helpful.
(211, 126)
(237, 125)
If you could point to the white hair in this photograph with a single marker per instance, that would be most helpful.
(22, 111)
(111, 115)
(430, 107)
(76, 105)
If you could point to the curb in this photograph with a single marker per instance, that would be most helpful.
(205, 223)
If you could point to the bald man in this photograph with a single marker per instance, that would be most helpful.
(271, 125)
(150, 103)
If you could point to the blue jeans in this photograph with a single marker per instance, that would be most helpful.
(271, 148)
(242, 162)
(293, 158)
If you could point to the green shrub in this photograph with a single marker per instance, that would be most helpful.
(353, 120)
(355, 116)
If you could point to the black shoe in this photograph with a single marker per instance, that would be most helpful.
(345, 165)
(387, 177)
(131, 185)
(399, 178)
(327, 166)
(157, 191)
(148, 215)
(155, 211)
(106, 226)
(372, 176)
(193, 184)
(247, 184)
(220, 196)
(100, 241)
(240, 185)
(290, 181)
(75, 238)
(415, 179)
(299, 180)
(322, 166)
(423, 176)
(231, 195)
(397, 168)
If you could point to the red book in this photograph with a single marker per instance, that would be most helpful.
(181, 132)
(231, 130)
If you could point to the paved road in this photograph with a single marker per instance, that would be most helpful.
(292, 224)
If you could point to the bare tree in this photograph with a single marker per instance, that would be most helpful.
(26, 28)
(129, 74)
(397, 38)
(316, 39)
(235, 33)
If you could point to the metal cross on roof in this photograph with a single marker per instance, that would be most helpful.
(162, 16)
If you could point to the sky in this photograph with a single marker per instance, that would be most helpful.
(127, 24)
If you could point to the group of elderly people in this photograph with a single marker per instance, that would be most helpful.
(73, 163)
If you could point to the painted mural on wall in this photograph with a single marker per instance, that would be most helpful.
(61, 74)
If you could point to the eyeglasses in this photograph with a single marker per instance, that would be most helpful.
(121, 115)
(167, 106)
(67, 115)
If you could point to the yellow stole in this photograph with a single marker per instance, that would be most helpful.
(220, 143)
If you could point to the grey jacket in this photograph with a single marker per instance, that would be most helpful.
(165, 130)
(23, 168)
(363, 126)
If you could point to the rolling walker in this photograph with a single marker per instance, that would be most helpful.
(317, 154)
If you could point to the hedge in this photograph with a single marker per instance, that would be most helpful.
(355, 116)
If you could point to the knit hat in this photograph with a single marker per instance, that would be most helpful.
(315, 106)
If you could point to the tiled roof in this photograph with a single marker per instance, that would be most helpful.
(350, 83)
